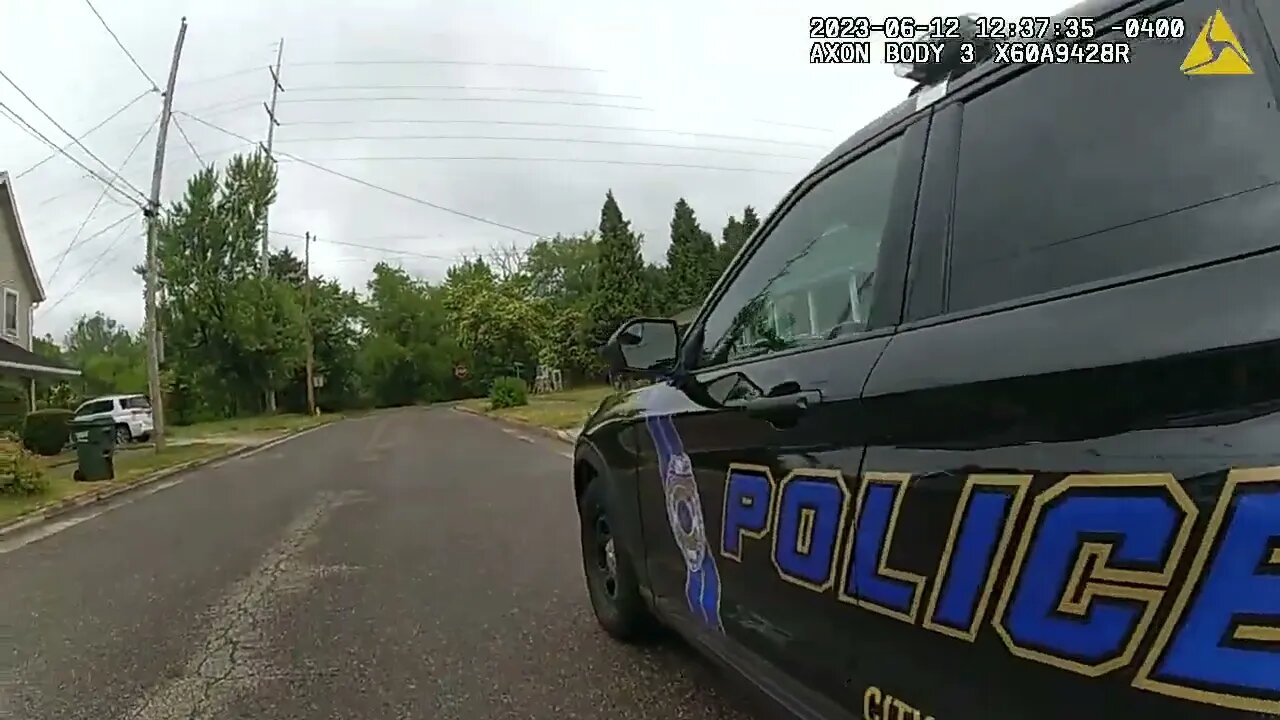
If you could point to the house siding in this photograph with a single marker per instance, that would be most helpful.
(12, 276)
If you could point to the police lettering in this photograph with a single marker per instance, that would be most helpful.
(1095, 559)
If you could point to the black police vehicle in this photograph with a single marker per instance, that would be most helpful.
(984, 421)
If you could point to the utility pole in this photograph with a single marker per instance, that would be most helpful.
(311, 357)
(153, 265)
(276, 87)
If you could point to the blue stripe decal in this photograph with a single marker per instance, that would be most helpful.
(687, 523)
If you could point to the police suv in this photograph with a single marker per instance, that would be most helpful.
(984, 421)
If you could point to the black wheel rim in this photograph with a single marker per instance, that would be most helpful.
(606, 559)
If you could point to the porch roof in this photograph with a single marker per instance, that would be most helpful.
(16, 360)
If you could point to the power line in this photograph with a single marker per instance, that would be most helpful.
(132, 59)
(582, 126)
(588, 141)
(499, 88)
(88, 132)
(75, 239)
(226, 76)
(586, 161)
(183, 133)
(14, 117)
(473, 63)
(97, 233)
(362, 246)
(373, 186)
(519, 101)
(92, 266)
(58, 125)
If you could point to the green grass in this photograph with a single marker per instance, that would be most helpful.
(562, 410)
(249, 425)
(130, 465)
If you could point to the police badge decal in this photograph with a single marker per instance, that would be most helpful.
(688, 529)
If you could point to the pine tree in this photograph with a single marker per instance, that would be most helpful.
(619, 294)
(692, 262)
(736, 233)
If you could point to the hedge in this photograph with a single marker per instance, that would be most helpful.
(46, 431)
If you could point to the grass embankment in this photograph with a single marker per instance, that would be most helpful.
(129, 465)
(561, 410)
(262, 424)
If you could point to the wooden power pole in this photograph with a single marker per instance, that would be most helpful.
(311, 357)
(153, 265)
(276, 87)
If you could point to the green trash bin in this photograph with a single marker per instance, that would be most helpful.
(95, 442)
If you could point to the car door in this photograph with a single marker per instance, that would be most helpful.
(1090, 350)
(751, 455)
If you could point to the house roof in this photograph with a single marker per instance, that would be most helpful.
(19, 360)
(24, 250)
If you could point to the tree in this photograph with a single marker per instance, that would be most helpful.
(736, 233)
(619, 293)
(692, 262)
(231, 337)
(495, 322)
(406, 355)
(110, 358)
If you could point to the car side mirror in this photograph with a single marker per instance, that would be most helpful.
(645, 346)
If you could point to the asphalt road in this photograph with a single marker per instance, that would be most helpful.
(410, 564)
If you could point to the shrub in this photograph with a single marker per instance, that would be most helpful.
(20, 474)
(13, 407)
(508, 392)
(46, 432)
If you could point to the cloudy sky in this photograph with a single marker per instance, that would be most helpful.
(712, 100)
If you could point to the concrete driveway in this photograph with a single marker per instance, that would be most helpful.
(408, 564)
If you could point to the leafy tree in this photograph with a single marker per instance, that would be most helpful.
(231, 337)
(692, 262)
(620, 293)
(494, 322)
(110, 358)
(406, 355)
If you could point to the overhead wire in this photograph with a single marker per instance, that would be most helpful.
(112, 33)
(14, 117)
(66, 132)
(88, 132)
(373, 186)
(92, 266)
(75, 240)
(362, 246)
(512, 158)
(531, 66)
(498, 88)
(533, 123)
(190, 145)
(587, 141)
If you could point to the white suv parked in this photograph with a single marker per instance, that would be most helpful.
(131, 413)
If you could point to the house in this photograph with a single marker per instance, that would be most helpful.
(20, 293)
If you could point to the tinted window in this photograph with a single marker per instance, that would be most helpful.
(813, 277)
(98, 406)
(1075, 173)
(140, 403)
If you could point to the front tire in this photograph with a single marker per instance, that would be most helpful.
(611, 579)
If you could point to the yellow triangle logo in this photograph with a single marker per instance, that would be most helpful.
(1216, 51)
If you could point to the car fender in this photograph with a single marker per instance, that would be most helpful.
(624, 502)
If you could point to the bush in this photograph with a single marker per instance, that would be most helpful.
(46, 431)
(20, 474)
(13, 408)
(508, 392)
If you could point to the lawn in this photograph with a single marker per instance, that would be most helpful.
(562, 410)
(130, 465)
(249, 425)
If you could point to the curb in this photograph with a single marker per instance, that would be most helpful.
(561, 435)
(62, 507)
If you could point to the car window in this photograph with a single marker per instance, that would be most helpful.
(813, 276)
(1075, 173)
(139, 403)
(95, 407)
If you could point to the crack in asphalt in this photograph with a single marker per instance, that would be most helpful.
(231, 662)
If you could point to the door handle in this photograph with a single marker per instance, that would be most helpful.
(783, 408)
